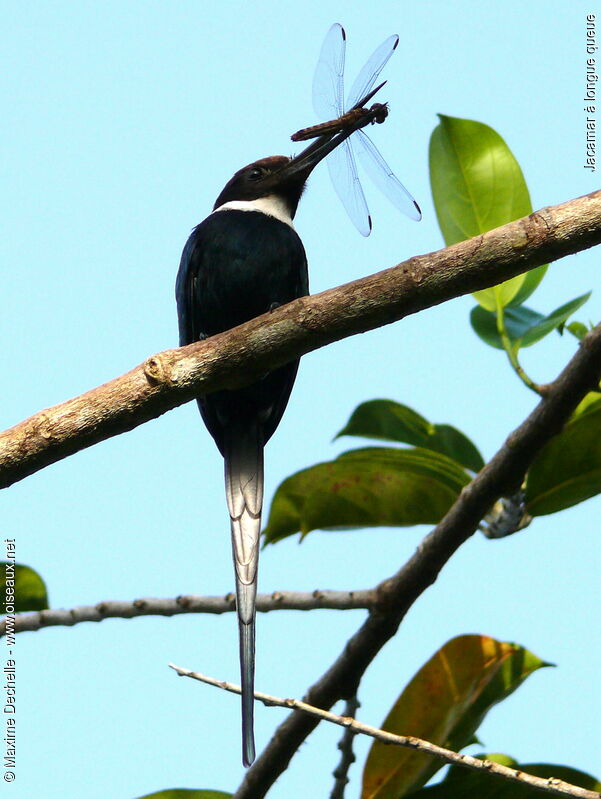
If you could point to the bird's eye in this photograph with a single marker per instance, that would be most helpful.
(256, 173)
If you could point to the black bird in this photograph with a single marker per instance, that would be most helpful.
(242, 261)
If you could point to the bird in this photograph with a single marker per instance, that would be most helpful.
(246, 259)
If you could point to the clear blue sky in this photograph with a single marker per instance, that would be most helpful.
(121, 123)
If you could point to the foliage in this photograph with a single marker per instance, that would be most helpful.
(186, 793)
(475, 784)
(392, 421)
(366, 488)
(444, 703)
(29, 588)
(568, 468)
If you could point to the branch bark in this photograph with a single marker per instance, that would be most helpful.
(501, 476)
(239, 356)
(347, 755)
(192, 603)
(549, 785)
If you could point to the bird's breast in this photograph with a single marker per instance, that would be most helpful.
(238, 265)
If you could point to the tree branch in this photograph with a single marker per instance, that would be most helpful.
(502, 476)
(550, 785)
(278, 600)
(241, 355)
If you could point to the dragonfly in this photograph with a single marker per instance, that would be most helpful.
(328, 104)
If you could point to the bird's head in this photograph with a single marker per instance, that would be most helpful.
(284, 178)
(262, 178)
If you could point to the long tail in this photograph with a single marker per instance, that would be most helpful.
(244, 491)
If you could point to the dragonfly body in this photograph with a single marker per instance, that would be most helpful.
(337, 125)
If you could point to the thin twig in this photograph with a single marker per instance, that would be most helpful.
(549, 785)
(241, 355)
(278, 600)
(340, 774)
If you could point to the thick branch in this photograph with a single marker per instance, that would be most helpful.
(501, 476)
(278, 600)
(550, 785)
(239, 356)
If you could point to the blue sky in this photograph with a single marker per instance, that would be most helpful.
(122, 122)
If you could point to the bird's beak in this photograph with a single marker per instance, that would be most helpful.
(298, 169)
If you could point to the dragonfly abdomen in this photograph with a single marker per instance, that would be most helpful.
(342, 123)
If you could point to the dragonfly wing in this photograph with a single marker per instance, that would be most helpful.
(328, 80)
(344, 177)
(383, 176)
(373, 66)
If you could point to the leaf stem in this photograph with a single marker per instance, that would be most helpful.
(512, 353)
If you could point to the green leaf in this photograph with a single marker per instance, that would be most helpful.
(368, 487)
(553, 320)
(444, 703)
(21, 587)
(390, 421)
(568, 468)
(530, 283)
(524, 326)
(590, 403)
(477, 185)
(467, 784)
(577, 329)
(186, 793)
(517, 322)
